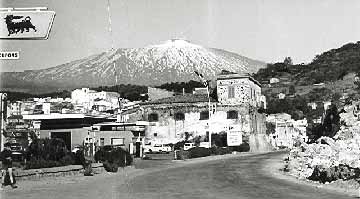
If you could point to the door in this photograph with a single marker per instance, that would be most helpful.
(137, 149)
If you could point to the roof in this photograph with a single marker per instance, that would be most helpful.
(231, 75)
(15, 117)
(187, 98)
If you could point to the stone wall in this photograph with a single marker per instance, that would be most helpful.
(246, 91)
(33, 174)
(169, 128)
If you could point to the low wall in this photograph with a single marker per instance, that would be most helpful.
(70, 170)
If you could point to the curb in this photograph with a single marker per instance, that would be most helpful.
(70, 170)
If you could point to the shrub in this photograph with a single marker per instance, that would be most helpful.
(197, 152)
(244, 147)
(67, 159)
(47, 149)
(182, 155)
(41, 163)
(79, 157)
(179, 145)
(114, 158)
(334, 173)
(220, 150)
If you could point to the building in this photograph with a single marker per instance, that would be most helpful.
(274, 80)
(129, 136)
(157, 93)
(71, 128)
(88, 98)
(239, 98)
(287, 130)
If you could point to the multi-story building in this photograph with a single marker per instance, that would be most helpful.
(235, 110)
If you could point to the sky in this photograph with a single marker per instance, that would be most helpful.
(266, 30)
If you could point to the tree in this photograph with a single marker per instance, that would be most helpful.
(288, 61)
(331, 121)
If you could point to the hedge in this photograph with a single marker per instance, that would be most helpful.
(197, 152)
(113, 159)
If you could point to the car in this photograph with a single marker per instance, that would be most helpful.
(188, 146)
(157, 148)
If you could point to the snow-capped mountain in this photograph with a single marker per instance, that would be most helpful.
(172, 61)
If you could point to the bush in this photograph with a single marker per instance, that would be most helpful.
(182, 155)
(334, 173)
(244, 147)
(220, 150)
(179, 145)
(41, 163)
(114, 158)
(79, 158)
(197, 152)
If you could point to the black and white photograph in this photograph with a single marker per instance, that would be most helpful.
(179, 99)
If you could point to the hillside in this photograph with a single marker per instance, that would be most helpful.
(171, 61)
(329, 66)
(329, 77)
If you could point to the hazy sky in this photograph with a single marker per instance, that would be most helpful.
(266, 30)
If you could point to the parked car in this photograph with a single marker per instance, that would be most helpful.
(157, 148)
(188, 146)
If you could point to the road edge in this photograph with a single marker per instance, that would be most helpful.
(274, 166)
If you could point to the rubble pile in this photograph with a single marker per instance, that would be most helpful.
(330, 159)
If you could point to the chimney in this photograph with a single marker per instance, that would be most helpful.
(183, 91)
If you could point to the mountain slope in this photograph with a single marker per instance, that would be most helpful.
(330, 66)
(172, 61)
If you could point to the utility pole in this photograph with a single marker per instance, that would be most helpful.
(209, 104)
(2, 119)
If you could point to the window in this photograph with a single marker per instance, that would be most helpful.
(117, 141)
(102, 141)
(204, 115)
(231, 92)
(153, 117)
(179, 116)
(232, 115)
(155, 134)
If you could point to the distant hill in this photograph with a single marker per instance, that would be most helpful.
(171, 61)
(329, 77)
(329, 66)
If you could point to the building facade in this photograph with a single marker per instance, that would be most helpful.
(236, 109)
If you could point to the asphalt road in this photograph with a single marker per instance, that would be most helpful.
(236, 177)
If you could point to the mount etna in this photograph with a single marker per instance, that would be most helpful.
(172, 61)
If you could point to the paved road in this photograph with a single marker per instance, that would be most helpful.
(236, 177)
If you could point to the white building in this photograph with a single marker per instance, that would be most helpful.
(88, 98)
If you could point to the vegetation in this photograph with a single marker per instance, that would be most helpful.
(179, 86)
(16, 96)
(329, 126)
(331, 65)
(113, 159)
(44, 153)
(197, 152)
(127, 91)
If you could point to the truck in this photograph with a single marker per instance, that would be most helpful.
(157, 148)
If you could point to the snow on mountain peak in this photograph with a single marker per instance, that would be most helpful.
(171, 61)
